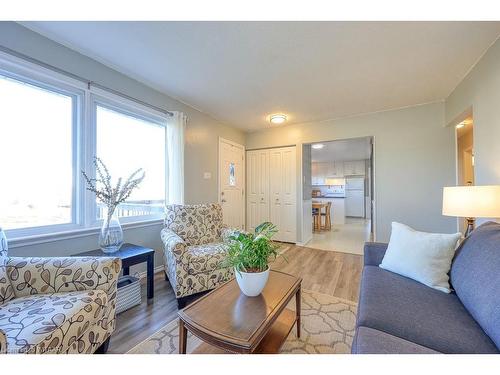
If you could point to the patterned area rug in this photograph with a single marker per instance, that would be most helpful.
(327, 327)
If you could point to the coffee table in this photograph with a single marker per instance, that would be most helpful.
(231, 322)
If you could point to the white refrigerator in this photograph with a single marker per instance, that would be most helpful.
(355, 197)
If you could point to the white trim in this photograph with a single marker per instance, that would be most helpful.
(144, 274)
(72, 234)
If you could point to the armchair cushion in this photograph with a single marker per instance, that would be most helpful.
(44, 323)
(30, 276)
(206, 258)
(6, 291)
(195, 224)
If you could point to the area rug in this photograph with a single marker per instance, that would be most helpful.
(327, 327)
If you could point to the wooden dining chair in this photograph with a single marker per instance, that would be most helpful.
(316, 219)
(328, 217)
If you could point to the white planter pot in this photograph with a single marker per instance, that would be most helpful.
(252, 283)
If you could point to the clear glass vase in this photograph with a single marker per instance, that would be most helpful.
(111, 235)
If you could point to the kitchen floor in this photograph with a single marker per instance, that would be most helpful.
(347, 238)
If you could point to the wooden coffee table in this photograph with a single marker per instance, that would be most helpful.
(228, 321)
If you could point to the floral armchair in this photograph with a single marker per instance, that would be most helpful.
(56, 305)
(196, 243)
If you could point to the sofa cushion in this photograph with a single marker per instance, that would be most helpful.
(45, 323)
(475, 276)
(372, 341)
(197, 224)
(6, 291)
(412, 311)
(206, 258)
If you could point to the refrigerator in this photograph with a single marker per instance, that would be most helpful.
(355, 197)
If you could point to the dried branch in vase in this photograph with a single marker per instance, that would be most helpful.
(103, 189)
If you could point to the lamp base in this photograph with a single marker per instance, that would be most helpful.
(470, 226)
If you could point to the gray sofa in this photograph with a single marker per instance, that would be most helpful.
(400, 315)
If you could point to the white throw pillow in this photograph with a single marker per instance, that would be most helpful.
(424, 257)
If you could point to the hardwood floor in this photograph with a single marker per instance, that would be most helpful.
(327, 272)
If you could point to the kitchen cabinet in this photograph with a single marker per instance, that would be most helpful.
(271, 191)
(321, 171)
(354, 168)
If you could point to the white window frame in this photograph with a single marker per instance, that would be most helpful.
(84, 222)
(107, 100)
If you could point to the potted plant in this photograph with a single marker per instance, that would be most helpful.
(249, 255)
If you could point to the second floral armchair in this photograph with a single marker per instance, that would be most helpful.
(196, 243)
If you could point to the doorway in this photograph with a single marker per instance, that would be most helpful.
(338, 183)
(464, 133)
(232, 182)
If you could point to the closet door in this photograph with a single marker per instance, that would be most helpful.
(288, 229)
(257, 188)
(282, 186)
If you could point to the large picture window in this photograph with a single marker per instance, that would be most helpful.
(126, 143)
(36, 150)
(51, 127)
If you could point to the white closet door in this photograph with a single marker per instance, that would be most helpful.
(288, 229)
(276, 199)
(282, 177)
(257, 188)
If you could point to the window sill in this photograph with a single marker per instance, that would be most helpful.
(73, 234)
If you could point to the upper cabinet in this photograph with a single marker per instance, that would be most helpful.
(354, 168)
(320, 172)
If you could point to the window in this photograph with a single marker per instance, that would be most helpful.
(51, 127)
(36, 150)
(126, 143)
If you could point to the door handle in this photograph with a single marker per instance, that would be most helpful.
(223, 201)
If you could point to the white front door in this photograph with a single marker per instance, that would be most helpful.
(231, 183)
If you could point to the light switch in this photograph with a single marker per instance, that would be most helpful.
(207, 175)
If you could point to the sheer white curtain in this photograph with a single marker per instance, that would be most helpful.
(175, 158)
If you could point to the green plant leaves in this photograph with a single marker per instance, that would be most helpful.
(250, 252)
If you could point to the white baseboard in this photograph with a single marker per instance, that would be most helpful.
(143, 274)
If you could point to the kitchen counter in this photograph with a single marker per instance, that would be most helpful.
(329, 197)
(338, 207)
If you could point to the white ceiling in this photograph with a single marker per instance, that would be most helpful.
(349, 149)
(240, 72)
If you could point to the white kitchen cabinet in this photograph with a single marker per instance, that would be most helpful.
(271, 190)
(354, 168)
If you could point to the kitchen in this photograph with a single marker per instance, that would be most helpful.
(341, 185)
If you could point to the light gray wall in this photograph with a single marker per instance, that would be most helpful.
(414, 159)
(202, 133)
(480, 90)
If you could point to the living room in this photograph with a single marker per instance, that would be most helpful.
(156, 200)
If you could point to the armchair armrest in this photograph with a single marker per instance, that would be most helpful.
(63, 274)
(173, 243)
(374, 253)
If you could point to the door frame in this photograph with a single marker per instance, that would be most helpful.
(243, 174)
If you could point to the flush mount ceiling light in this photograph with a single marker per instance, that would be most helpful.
(461, 125)
(318, 146)
(277, 119)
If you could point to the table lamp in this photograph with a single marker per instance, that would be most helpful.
(471, 202)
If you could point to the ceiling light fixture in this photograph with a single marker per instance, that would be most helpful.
(277, 119)
(461, 125)
(318, 146)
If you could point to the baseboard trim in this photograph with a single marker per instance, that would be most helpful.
(143, 274)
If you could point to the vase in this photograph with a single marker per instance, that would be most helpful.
(251, 283)
(111, 235)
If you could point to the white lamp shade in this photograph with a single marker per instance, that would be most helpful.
(472, 201)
